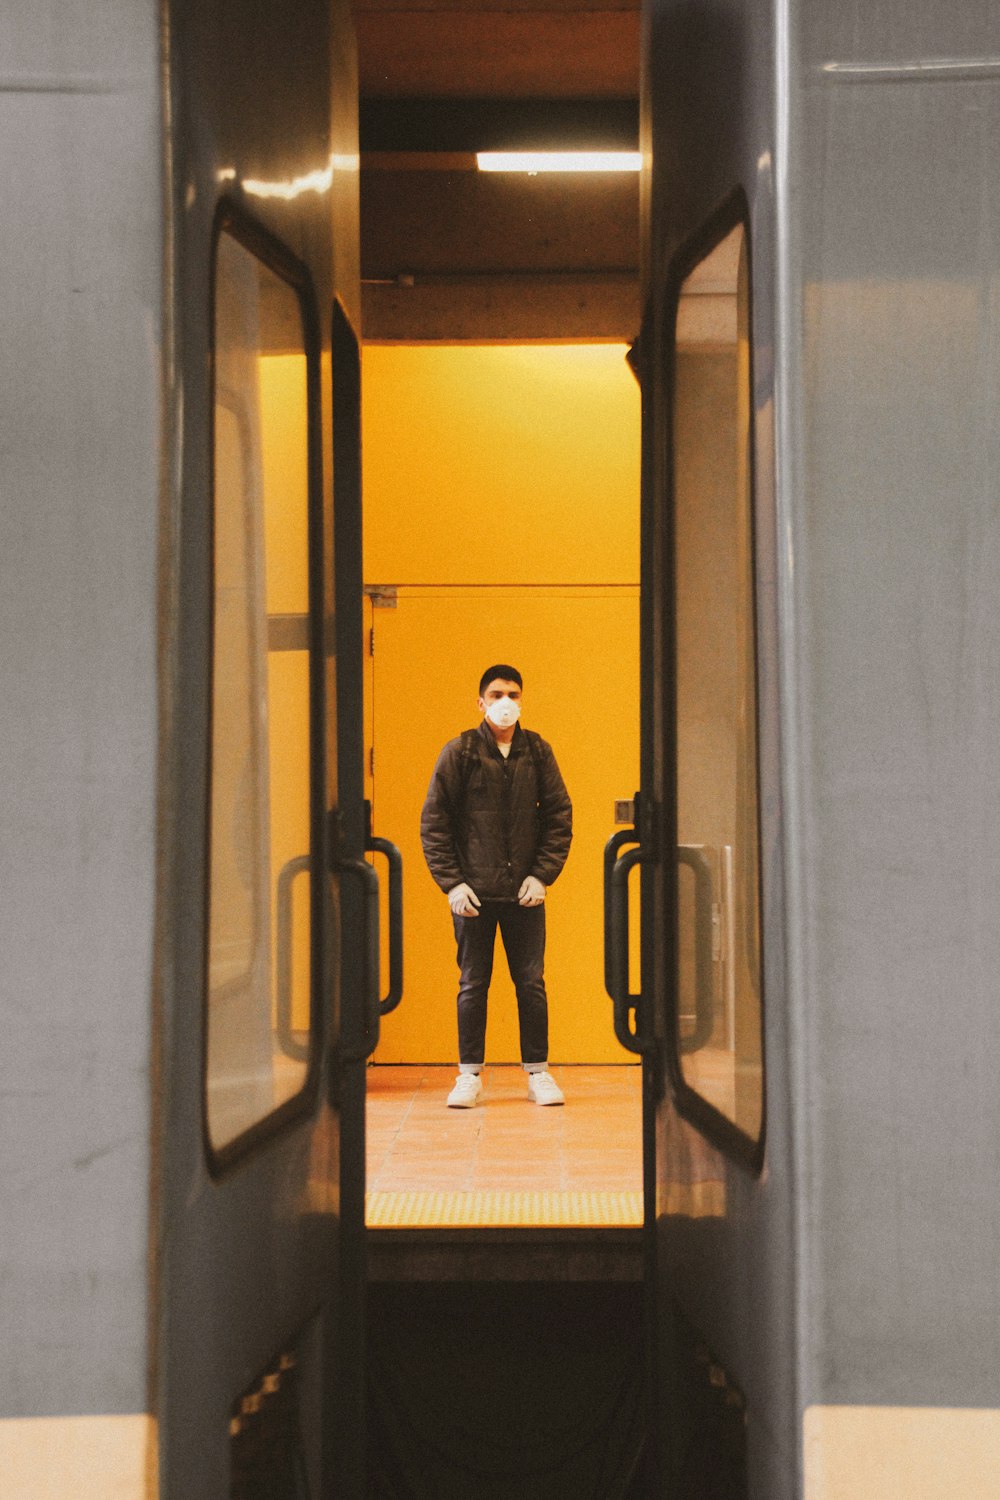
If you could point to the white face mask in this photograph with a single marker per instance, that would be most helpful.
(503, 712)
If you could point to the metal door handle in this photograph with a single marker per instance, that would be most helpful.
(283, 957)
(612, 848)
(395, 859)
(704, 1015)
(624, 1003)
(363, 871)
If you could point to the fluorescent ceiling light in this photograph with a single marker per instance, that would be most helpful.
(559, 161)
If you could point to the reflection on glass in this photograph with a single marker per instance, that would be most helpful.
(259, 983)
(717, 805)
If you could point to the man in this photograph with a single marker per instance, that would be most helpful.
(496, 830)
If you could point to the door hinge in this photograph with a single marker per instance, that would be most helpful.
(371, 761)
(371, 641)
(382, 595)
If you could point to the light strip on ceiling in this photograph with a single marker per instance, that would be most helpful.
(559, 161)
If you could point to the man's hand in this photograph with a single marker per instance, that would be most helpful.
(532, 892)
(463, 900)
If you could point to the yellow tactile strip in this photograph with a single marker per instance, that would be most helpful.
(494, 1209)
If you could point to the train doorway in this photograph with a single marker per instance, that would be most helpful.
(501, 523)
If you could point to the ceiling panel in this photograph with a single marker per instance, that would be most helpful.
(499, 54)
(454, 7)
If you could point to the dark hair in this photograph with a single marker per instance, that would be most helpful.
(504, 672)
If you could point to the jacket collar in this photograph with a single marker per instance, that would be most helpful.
(516, 744)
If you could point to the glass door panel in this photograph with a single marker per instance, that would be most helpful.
(718, 1013)
(259, 957)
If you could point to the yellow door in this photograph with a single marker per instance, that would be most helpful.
(578, 650)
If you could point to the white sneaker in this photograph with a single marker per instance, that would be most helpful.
(543, 1089)
(468, 1087)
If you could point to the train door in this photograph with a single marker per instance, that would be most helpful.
(261, 834)
(501, 511)
(697, 838)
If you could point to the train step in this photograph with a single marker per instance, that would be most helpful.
(516, 1254)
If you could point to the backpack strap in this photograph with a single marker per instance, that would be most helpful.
(466, 761)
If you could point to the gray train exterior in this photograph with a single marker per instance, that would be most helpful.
(850, 1287)
(144, 1286)
(83, 348)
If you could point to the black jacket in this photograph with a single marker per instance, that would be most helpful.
(490, 821)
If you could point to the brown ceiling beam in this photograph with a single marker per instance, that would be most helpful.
(472, 222)
(498, 309)
(453, 125)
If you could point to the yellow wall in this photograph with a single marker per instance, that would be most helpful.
(501, 485)
(563, 640)
(504, 464)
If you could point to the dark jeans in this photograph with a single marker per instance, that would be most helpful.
(523, 931)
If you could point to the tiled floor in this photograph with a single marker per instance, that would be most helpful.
(507, 1160)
